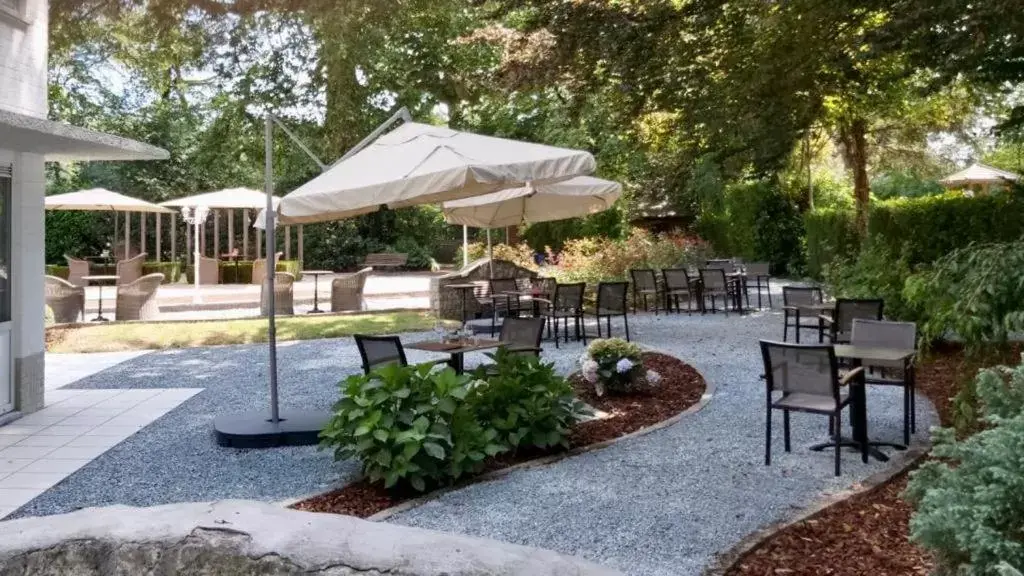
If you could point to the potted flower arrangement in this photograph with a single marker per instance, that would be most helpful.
(615, 366)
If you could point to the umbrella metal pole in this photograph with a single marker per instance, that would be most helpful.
(465, 246)
(268, 184)
(490, 255)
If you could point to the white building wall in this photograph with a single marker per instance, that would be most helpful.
(23, 49)
(23, 89)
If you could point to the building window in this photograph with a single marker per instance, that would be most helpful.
(15, 11)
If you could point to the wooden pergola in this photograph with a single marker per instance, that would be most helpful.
(226, 203)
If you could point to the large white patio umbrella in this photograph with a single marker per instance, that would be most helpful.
(224, 199)
(102, 200)
(578, 196)
(412, 164)
(979, 175)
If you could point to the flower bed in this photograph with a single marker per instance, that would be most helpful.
(680, 387)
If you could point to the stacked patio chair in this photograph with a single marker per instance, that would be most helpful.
(209, 270)
(804, 378)
(284, 295)
(65, 300)
(899, 335)
(645, 284)
(259, 268)
(137, 300)
(567, 303)
(76, 270)
(677, 284)
(759, 278)
(347, 290)
(715, 285)
(611, 302)
(838, 327)
(796, 306)
(130, 270)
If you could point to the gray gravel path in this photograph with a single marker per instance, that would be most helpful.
(664, 503)
(660, 504)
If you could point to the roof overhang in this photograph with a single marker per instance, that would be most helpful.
(58, 141)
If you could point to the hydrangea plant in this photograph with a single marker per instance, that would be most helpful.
(615, 366)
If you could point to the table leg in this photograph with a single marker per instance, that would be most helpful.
(457, 363)
(316, 295)
(859, 426)
(463, 305)
(99, 313)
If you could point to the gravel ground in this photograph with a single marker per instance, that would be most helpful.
(660, 504)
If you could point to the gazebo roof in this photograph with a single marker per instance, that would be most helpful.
(227, 198)
(100, 199)
(979, 174)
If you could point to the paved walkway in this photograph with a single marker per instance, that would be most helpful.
(660, 504)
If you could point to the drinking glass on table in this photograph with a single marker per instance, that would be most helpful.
(440, 330)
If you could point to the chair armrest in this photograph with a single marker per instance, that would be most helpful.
(851, 375)
(826, 319)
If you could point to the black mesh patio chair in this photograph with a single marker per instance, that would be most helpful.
(377, 351)
(715, 285)
(804, 378)
(759, 278)
(522, 335)
(798, 304)
(897, 335)
(838, 327)
(567, 303)
(645, 284)
(501, 300)
(611, 302)
(677, 284)
(727, 266)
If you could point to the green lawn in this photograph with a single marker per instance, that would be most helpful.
(163, 335)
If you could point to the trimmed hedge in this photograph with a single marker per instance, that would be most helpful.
(170, 270)
(921, 230)
(242, 273)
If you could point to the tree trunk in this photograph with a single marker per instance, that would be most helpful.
(854, 138)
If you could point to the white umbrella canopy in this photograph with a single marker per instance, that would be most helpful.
(422, 164)
(578, 196)
(100, 199)
(225, 199)
(979, 175)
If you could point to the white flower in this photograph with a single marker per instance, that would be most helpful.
(599, 389)
(653, 377)
(624, 365)
(590, 371)
(584, 359)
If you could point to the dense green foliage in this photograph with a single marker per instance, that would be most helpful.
(969, 506)
(423, 427)
(613, 366)
(831, 238)
(876, 272)
(592, 260)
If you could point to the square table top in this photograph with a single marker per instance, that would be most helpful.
(872, 354)
(101, 277)
(454, 347)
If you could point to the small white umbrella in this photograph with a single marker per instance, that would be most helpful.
(224, 199)
(100, 199)
(979, 175)
(578, 196)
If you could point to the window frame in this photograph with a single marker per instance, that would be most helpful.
(17, 15)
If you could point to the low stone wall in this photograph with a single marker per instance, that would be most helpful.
(242, 537)
(449, 301)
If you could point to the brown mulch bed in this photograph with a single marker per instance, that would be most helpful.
(868, 533)
(680, 388)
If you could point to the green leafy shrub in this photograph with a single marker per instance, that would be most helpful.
(874, 273)
(976, 293)
(592, 260)
(411, 425)
(170, 270)
(830, 237)
(520, 255)
(58, 271)
(293, 266)
(970, 501)
(235, 272)
(525, 401)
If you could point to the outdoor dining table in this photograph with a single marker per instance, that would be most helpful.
(859, 356)
(316, 274)
(740, 279)
(457, 349)
(99, 279)
(464, 288)
(534, 296)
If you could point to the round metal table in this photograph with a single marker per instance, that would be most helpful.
(99, 279)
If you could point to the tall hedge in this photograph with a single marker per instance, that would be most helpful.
(921, 230)
(831, 235)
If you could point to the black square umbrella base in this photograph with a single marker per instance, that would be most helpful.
(255, 430)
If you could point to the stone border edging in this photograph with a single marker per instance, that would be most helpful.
(725, 561)
(705, 398)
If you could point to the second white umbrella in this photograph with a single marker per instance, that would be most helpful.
(579, 196)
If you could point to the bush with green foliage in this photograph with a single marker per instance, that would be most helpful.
(553, 235)
(875, 273)
(525, 401)
(975, 293)
(904, 184)
(593, 260)
(830, 237)
(970, 500)
(520, 255)
(615, 366)
(423, 427)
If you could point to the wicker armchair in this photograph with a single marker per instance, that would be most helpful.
(259, 268)
(284, 295)
(66, 300)
(137, 300)
(347, 290)
(130, 270)
(76, 269)
(209, 270)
